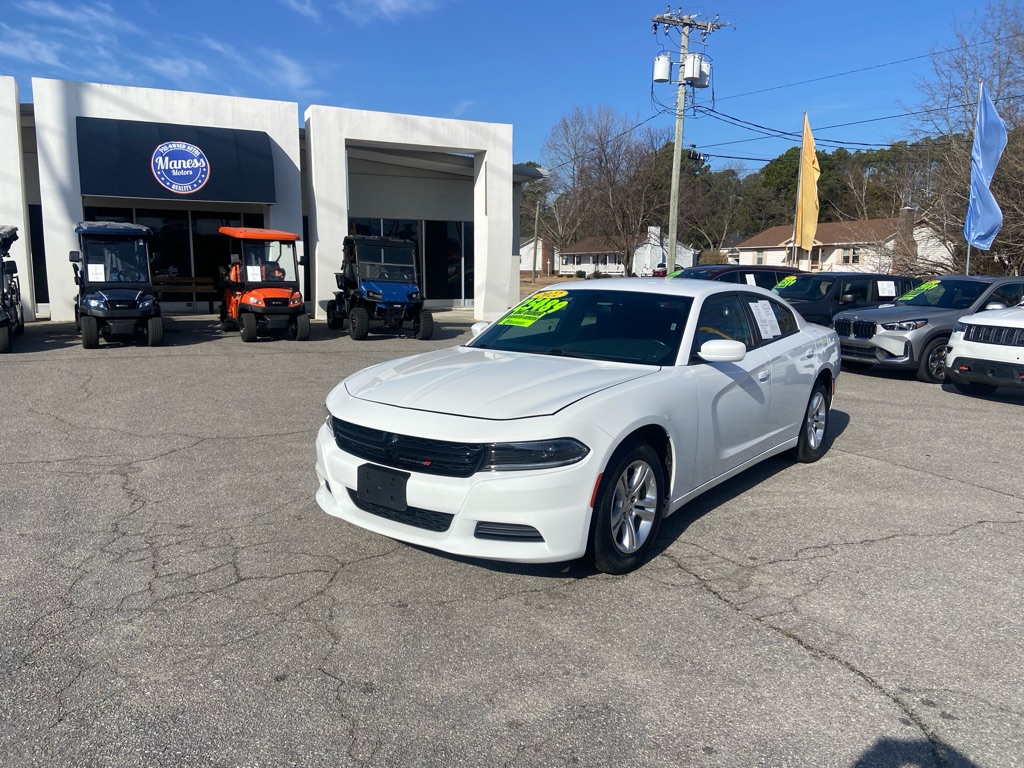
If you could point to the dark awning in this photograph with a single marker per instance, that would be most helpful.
(118, 158)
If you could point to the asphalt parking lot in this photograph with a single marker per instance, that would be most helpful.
(172, 595)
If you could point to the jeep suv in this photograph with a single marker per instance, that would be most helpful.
(819, 296)
(913, 332)
(986, 351)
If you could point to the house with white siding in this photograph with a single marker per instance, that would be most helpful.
(596, 254)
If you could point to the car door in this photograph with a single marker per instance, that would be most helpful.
(857, 287)
(733, 398)
(792, 365)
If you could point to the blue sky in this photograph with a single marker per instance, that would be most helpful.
(525, 62)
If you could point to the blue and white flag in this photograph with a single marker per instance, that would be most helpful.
(983, 215)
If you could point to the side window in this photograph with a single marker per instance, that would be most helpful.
(766, 279)
(730, 277)
(723, 317)
(858, 287)
(772, 319)
(1010, 294)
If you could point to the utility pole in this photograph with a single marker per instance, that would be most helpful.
(687, 23)
(536, 239)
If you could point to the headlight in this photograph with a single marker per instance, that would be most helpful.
(960, 327)
(905, 325)
(538, 454)
(414, 296)
(374, 295)
(295, 300)
(254, 300)
(96, 303)
(146, 303)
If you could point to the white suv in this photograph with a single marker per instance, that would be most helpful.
(986, 351)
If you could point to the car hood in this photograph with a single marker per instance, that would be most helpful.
(119, 294)
(892, 314)
(1012, 316)
(487, 384)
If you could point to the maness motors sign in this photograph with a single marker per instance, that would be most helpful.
(180, 167)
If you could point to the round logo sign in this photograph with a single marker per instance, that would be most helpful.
(180, 167)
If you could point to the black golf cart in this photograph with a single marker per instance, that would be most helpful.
(12, 315)
(378, 283)
(115, 292)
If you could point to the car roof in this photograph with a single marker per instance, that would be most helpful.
(852, 274)
(674, 286)
(975, 278)
(255, 233)
(120, 228)
(744, 267)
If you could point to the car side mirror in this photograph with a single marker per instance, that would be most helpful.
(994, 305)
(303, 260)
(10, 268)
(477, 328)
(722, 351)
(236, 258)
(847, 298)
(74, 257)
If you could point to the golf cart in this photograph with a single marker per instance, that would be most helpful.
(115, 292)
(378, 282)
(261, 287)
(12, 317)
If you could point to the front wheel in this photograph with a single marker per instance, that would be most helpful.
(90, 332)
(20, 329)
(299, 330)
(155, 331)
(811, 445)
(974, 387)
(627, 509)
(423, 325)
(358, 323)
(248, 326)
(933, 362)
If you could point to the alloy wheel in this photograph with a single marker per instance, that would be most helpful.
(634, 506)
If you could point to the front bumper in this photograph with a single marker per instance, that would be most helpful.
(1000, 366)
(888, 348)
(488, 515)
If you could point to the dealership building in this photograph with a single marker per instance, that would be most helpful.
(92, 152)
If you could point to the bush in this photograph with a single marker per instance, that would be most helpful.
(581, 274)
(597, 275)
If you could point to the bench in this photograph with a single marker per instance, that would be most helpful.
(163, 284)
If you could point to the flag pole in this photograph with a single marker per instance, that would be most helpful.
(799, 180)
(980, 86)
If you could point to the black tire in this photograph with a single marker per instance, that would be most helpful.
(335, 320)
(974, 387)
(90, 332)
(358, 323)
(812, 443)
(155, 331)
(627, 510)
(5, 339)
(299, 330)
(423, 325)
(932, 369)
(248, 326)
(20, 328)
(227, 325)
(856, 365)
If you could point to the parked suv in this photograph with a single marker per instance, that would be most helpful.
(750, 274)
(819, 296)
(986, 351)
(913, 332)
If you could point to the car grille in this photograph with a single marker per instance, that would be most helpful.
(414, 516)
(275, 302)
(990, 334)
(859, 329)
(419, 454)
(122, 304)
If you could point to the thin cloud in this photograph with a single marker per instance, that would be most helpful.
(463, 107)
(304, 7)
(30, 48)
(365, 11)
(229, 52)
(95, 17)
(285, 71)
(179, 71)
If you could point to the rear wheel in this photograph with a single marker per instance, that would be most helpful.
(627, 509)
(974, 387)
(90, 332)
(299, 329)
(423, 325)
(5, 339)
(247, 321)
(155, 331)
(811, 445)
(358, 323)
(933, 362)
(335, 320)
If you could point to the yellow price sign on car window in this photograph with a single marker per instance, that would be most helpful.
(786, 281)
(534, 308)
(920, 289)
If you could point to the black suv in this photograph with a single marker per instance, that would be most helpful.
(761, 275)
(819, 296)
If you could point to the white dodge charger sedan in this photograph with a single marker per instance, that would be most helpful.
(574, 424)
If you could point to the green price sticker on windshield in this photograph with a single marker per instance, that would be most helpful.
(786, 281)
(534, 308)
(920, 289)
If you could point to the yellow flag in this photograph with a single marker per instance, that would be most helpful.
(807, 195)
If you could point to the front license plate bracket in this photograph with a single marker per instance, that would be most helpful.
(383, 487)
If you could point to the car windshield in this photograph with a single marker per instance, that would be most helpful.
(115, 260)
(376, 262)
(269, 261)
(806, 287)
(947, 293)
(620, 326)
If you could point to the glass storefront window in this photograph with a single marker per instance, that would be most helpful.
(170, 250)
(366, 227)
(211, 250)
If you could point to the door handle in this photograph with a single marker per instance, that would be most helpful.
(763, 376)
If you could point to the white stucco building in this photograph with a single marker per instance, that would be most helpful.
(84, 151)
